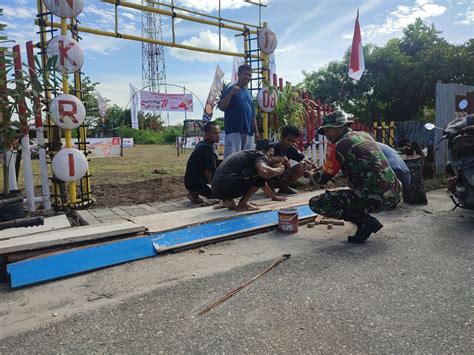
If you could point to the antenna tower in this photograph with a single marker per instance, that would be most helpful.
(153, 56)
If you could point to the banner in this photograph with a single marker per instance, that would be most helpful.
(155, 101)
(104, 147)
(102, 107)
(134, 105)
(214, 92)
(238, 61)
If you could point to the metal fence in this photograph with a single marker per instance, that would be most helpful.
(445, 113)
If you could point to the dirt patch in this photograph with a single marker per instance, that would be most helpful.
(134, 193)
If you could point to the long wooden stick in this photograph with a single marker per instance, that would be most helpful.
(233, 292)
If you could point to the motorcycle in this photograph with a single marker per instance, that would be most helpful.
(460, 136)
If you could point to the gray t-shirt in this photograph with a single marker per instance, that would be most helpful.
(394, 159)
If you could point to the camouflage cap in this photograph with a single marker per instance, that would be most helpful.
(334, 120)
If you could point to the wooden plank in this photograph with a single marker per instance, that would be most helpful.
(178, 219)
(33, 271)
(73, 235)
(208, 232)
(50, 224)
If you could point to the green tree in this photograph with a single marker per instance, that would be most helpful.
(400, 78)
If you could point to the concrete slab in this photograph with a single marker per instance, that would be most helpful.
(50, 224)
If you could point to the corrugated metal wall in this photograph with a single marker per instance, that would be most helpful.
(445, 113)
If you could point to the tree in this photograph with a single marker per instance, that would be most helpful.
(400, 78)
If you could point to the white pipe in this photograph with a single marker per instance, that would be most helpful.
(10, 158)
(28, 172)
(313, 156)
(44, 168)
(322, 149)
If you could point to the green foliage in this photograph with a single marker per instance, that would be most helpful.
(288, 110)
(400, 78)
(141, 136)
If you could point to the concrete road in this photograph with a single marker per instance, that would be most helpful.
(409, 289)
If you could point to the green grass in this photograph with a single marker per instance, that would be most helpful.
(138, 163)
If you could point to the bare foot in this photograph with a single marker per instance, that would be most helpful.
(229, 203)
(246, 207)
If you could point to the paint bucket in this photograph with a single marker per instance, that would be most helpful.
(288, 220)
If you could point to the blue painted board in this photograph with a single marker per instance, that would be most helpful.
(32, 271)
(184, 236)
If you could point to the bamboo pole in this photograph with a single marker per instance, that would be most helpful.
(147, 40)
(177, 15)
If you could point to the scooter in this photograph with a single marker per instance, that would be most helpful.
(460, 137)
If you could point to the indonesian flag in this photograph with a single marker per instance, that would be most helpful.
(356, 65)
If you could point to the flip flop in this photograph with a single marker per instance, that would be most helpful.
(193, 199)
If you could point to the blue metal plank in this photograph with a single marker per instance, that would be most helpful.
(166, 240)
(32, 271)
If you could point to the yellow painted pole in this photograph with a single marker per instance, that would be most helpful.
(131, 5)
(68, 132)
(374, 130)
(266, 81)
(147, 40)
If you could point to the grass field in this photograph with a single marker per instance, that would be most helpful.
(138, 163)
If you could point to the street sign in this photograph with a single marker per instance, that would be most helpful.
(265, 100)
(267, 41)
(69, 54)
(64, 8)
(67, 111)
(69, 165)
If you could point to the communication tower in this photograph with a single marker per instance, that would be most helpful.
(153, 56)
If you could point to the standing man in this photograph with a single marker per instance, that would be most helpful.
(202, 164)
(240, 123)
(373, 184)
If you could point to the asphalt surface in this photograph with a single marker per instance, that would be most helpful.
(409, 289)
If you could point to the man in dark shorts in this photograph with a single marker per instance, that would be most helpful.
(202, 164)
(241, 175)
(286, 151)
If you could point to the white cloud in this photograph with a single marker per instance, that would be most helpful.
(100, 44)
(468, 17)
(206, 39)
(19, 12)
(301, 22)
(213, 5)
(402, 17)
(285, 49)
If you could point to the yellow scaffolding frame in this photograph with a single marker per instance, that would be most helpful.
(203, 19)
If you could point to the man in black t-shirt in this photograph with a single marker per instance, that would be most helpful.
(284, 152)
(242, 174)
(202, 164)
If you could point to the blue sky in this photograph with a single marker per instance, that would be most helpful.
(310, 34)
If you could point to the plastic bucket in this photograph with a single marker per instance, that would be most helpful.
(288, 220)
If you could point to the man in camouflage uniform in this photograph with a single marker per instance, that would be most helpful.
(373, 184)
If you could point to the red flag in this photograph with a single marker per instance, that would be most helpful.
(356, 65)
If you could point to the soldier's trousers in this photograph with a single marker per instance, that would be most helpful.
(333, 204)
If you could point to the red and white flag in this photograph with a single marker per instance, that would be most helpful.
(356, 65)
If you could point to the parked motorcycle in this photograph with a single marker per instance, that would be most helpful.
(460, 137)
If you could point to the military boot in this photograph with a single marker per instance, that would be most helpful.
(366, 225)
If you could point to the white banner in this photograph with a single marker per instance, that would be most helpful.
(134, 105)
(214, 92)
(104, 147)
(102, 106)
(238, 61)
(155, 101)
